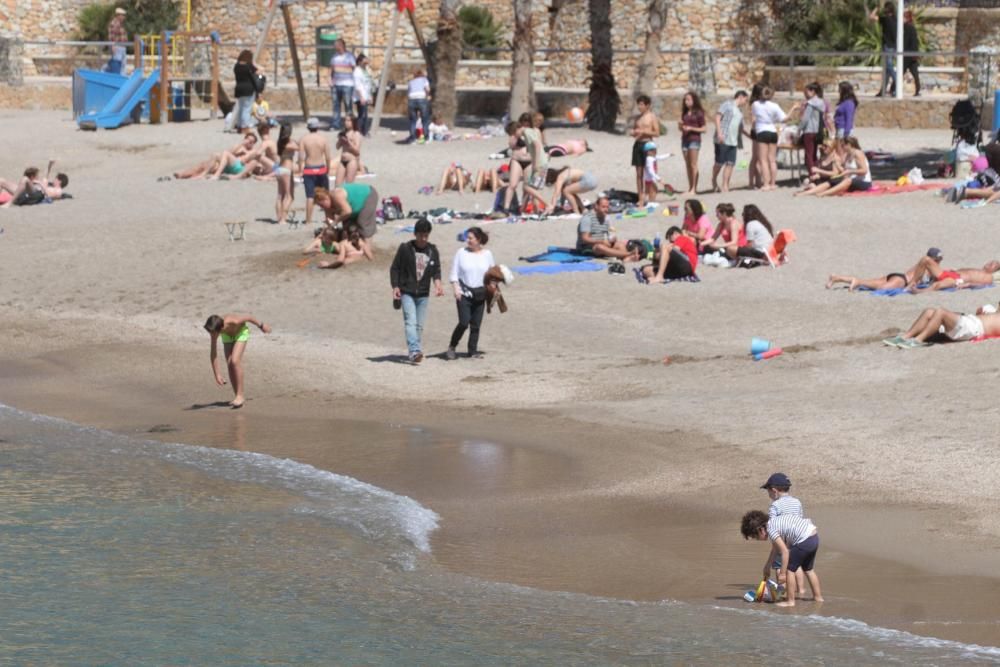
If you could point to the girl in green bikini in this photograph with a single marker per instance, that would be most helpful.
(234, 331)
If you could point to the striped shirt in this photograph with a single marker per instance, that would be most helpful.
(785, 505)
(792, 529)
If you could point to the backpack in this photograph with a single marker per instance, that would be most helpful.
(392, 208)
(259, 82)
(498, 200)
(30, 197)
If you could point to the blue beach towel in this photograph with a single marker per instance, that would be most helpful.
(902, 290)
(560, 268)
(557, 254)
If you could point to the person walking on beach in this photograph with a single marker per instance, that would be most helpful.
(797, 540)
(342, 66)
(887, 24)
(911, 44)
(363, 92)
(416, 265)
(234, 331)
(314, 162)
(418, 102)
(119, 37)
(467, 273)
(646, 127)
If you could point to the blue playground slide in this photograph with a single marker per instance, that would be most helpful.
(119, 109)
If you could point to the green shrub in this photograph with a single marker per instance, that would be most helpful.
(479, 30)
(142, 17)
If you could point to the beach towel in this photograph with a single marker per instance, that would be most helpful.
(902, 290)
(557, 254)
(890, 188)
(560, 268)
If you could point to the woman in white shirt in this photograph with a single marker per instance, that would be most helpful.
(759, 233)
(766, 116)
(467, 271)
(362, 92)
(418, 95)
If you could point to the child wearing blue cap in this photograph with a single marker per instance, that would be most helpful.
(650, 174)
(782, 504)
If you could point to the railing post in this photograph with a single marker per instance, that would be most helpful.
(274, 57)
(791, 73)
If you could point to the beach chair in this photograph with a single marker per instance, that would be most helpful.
(775, 254)
(236, 230)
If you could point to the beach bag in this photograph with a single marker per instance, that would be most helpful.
(498, 200)
(623, 196)
(392, 208)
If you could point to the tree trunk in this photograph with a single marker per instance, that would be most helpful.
(522, 89)
(446, 55)
(604, 102)
(649, 62)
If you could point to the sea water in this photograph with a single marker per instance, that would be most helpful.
(118, 551)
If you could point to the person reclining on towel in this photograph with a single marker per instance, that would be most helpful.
(888, 281)
(956, 326)
(31, 189)
(948, 278)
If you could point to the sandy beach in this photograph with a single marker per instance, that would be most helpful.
(570, 457)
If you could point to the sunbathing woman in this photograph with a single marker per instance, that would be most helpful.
(205, 168)
(349, 143)
(354, 249)
(454, 177)
(890, 280)
(495, 178)
(570, 183)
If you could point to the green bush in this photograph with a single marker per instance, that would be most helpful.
(143, 17)
(479, 30)
(816, 25)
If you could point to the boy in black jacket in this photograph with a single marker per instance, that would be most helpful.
(415, 265)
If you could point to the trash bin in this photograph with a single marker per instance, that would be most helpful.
(180, 112)
(326, 35)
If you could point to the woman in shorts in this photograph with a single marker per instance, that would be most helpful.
(570, 183)
(856, 175)
(766, 117)
(692, 126)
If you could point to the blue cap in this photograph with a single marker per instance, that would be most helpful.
(777, 479)
(649, 146)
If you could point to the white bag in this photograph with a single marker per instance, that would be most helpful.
(915, 176)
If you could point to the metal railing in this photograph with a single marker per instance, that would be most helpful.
(568, 67)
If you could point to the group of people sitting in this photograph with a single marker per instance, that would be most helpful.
(32, 188)
(745, 239)
(527, 167)
(843, 167)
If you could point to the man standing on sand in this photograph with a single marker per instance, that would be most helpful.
(594, 234)
(118, 35)
(416, 264)
(341, 82)
(728, 124)
(645, 128)
(314, 162)
(235, 333)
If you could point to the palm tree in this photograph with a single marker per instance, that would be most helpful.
(649, 62)
(522, 90)
(604, 102)
(446, 55)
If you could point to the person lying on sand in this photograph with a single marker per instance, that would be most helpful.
(327, 242)
(354, 249)
(888, 281)
(235, 333)
(454, 177)
(594, 234)
(32, 187)
(952, 278)
(207, 167)
(956, 326)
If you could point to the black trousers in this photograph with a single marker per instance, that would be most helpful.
(470, 316)
(914, 69)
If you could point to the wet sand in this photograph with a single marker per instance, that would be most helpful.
(570, 458)
(533, 512)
